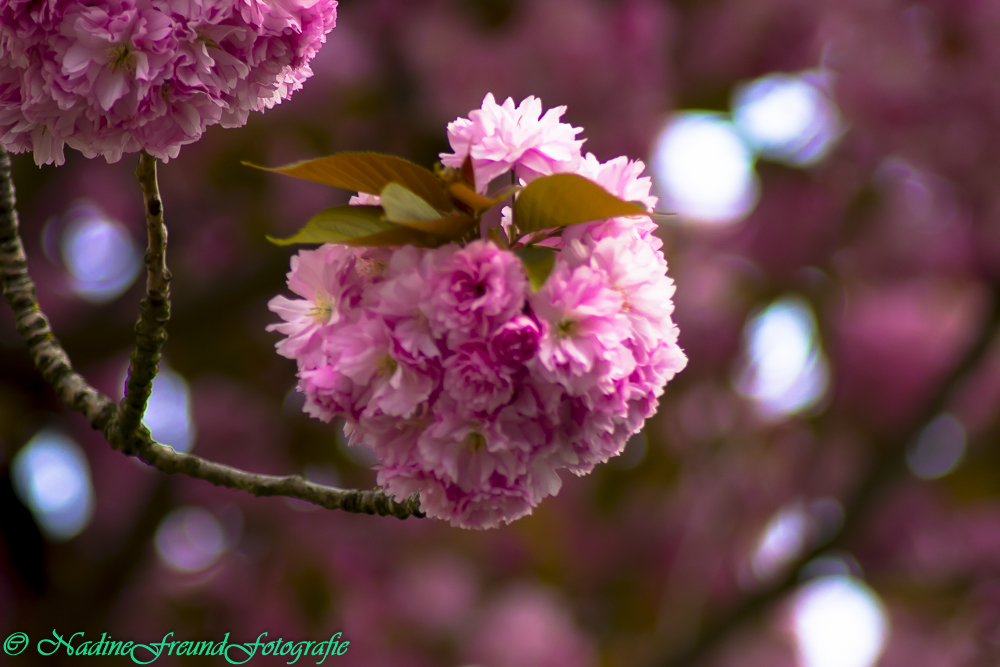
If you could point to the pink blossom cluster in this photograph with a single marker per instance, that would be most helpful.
(109, 77)
(470, 388)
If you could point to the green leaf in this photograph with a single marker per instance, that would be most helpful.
(355, 225)
(505, 192)
(398, 236)
(449, 227)
(408, 210)
(567, 199)
(402, 205)
(477, 202)
(498, 236)
(466, 195)
(369, 172)
(538, 262)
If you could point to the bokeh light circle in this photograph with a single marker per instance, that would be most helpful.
(704, 170)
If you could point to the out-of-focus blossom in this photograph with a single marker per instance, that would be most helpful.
(897, 339)
(529, 627)
(119, 76)
(437, 593)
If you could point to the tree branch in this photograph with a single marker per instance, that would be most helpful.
(887, 467)
(375, 501)
(31, 323)
(55, 367)
(154, 312)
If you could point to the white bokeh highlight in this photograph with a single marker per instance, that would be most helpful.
(781, 541)
(839, 622)
(787, 117)
(939, 449)
(704, 170)
(168, 412)
(52, 478)
(100, 254)
(169, 416)
(785, 370)
(190, 539)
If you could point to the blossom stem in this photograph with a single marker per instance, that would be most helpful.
(54, 364)
(515, 233)
(154, 313)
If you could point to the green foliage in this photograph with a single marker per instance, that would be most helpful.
(355, 225)
(429, 209)
(407, 209)
(567, 199)
(476, 202)
(449, 228)
(538, 262)
(402, 205)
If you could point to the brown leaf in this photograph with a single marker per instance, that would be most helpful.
(369, 172)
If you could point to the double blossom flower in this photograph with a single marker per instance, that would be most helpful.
(108, 77)
(472, 389)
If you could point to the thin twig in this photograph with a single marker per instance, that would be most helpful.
(167, 460)
(54, 365)
(883, 472)
(154, 313)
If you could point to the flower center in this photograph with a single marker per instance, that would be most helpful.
(626, 306)
(475, 442)
(321, 311)
(468, 288)
(567, 328)
(121, 58)
(370, 268)
(387, 367)
(207, 41)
